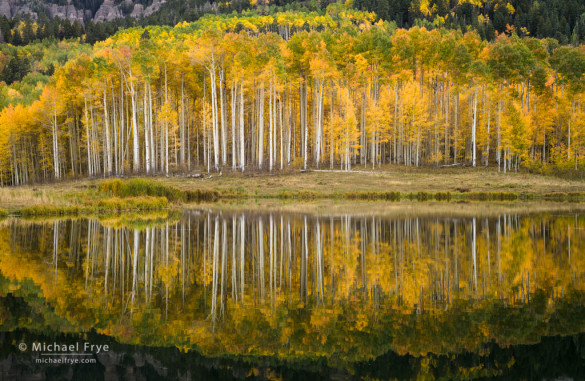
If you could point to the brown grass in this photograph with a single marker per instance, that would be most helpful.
(68, 193)
(264, 185)
(396, 179)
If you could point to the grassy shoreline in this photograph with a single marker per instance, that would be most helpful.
(422, 185)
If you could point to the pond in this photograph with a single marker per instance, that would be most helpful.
(271, 293)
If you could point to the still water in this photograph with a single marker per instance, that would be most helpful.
(241, 293)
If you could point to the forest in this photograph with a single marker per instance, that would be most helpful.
(296, 89)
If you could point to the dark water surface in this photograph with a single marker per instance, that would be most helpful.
(207, 294)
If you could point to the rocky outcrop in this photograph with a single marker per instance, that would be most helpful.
(152, 8)
(67, 12)
(5, 8)
(108, 11)
(138, 11)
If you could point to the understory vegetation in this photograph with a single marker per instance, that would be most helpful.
(141, 194)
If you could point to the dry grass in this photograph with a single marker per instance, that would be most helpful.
(395, 179)
(263, 185)
(70, 193)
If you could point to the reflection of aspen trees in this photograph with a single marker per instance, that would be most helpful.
(289, 250)
(108, 255)
(242, 245)
(234, 263)
(147, 259)
(261, 269)
(214, 269)
(166, 253)
(135, 266)
(304, 258)
(427, 262)
(281, 254)
(271, 255)
(456, 255)
(319, 260)
(184, 245)
(473, 253)
(223, 265)
(331, 256)
(56, 248)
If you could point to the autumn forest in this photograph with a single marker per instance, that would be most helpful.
(294, 190)
(330, 90)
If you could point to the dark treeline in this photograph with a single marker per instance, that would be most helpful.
(563, 20)
(23, 29)
(559, 19)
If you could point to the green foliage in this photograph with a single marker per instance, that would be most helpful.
(25, 70)
(143, 187)
(140, 187)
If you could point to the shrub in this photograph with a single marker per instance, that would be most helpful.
(140, 187)
(143, 187)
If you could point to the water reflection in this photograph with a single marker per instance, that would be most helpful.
(271, 283)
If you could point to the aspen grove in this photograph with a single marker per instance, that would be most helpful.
(332, 90)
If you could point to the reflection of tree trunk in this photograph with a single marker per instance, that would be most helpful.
(56, 247)
(223, 266)
(146, 263)
(395, 259)
(281, 253)
(166, 253)
(215, 269)
(261, 258)
(271, 254)
(304, 258)
(135, 265)
(499, 248)
(332, 255)
(234, 263)
(473, 249)
(242, 248)
(456, 255)
(446, 277)
(289, 247)
(183, 250)
(319, 260)
(108, 232)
